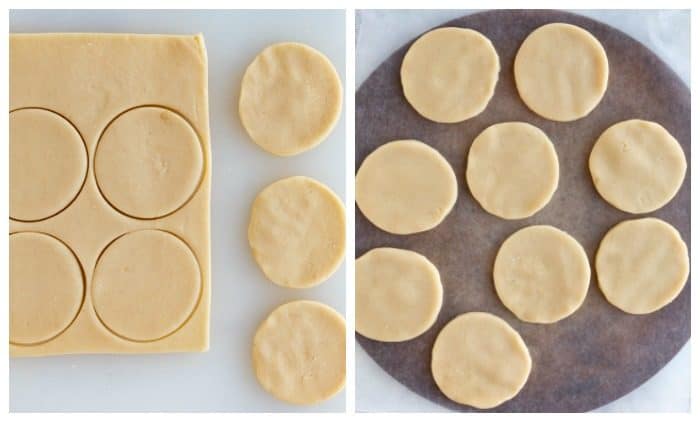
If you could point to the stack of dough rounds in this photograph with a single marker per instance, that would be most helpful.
(450, 74)
(398, 294)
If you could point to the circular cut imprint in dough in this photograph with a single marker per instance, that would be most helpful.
(405, 187)
(398, 294)
(512, 170)
(46, 287)
(299, 352)
(449, 74)
(479, 360)
(642, 265)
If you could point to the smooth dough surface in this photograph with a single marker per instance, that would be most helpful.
(398, 294)
(541, 274)
(297, 232)
(637, 166)
(512, 170)
(291, 98)
(479, 360)
(642, 265)
(48, 163)
(299, 352)
(405, 187)
(449, 74)
(561, 72)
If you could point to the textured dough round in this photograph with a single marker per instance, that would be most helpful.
(541, 274)
(512, 170)
(291, 98)
(642, 265)
(449, 74)
(637, 166)
(48, 164)
(561, 72)
(148, 162)
(46, 287)
(299, 352)
(146, 284)
(405, 187)
(297, 232)
(480, 361)
(398, 294)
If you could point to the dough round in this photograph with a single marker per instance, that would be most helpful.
(291, 98)
(148, 162)
(561, 72)
(48, 164)
(398, 294)
(450, 74)
(541, 274)
(637, 166)
(480, 361)
(405, 187)
(297, 232)
(146, 284)
(642, 265)
(46, 287)
(512, 170)
(299, 352)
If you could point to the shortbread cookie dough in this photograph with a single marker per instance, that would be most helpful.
(48, 163)
(637, 166)
(449, 74)
(561, 72)
(541, 274)
(291, 98)
(512, 170)
(405, 187)
(642, 265)
(299, 352)
(398, 294)
(480, 361)
(46, 287)
(297, 232)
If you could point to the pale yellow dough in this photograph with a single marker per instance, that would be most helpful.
(637, 166)
(642, 265)
(449, 74)
(512, 170)
(297, 232)
(299, 352)
(541, 274)
(291, 98)
(480, 361)
(561, 72)
(405, 187)
(398, 294)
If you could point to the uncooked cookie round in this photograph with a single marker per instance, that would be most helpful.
(398, 294)
(146, 284)
(561, 72)
(480, 361)
(541, 274)
(637, 166)
(291, 98)
(297, 232)
(48, 164)
(46, 287)
(512, 170)
(449, 74)
(148, 162)
(299, 352)
(405, 187)
(642, 265)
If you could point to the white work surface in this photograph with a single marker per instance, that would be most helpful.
(379, 33)
(220, 379)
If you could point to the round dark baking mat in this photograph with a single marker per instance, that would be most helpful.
(599, 353)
